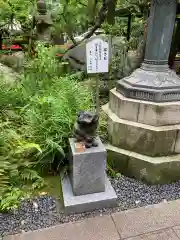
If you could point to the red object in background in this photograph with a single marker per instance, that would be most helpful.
(12, 47)
(16, 47)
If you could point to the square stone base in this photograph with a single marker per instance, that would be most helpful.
(88, 202)
(87, 168)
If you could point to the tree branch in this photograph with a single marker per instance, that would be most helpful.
(100, 19)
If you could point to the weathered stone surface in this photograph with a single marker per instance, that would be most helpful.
(14, 62)
(141, 138)
(118, 159)
(135, 222)
(87, 202)
(154, 170)
(159, 114)
(123, 107)
(88, 169)
(153, 222)
(177, 145)
(167, 234)
(151, 113)
(7, 74)
(177, 230)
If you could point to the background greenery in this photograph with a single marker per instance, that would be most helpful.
(39, 108)
(37, 116)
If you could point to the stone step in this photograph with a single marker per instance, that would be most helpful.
(153, 170)
(151, 113)
(142, 138)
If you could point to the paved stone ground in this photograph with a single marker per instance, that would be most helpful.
(155, 222)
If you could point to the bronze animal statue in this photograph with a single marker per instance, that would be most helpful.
(85, 128)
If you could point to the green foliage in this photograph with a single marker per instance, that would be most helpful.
(111, 172)
(114, 30)
(37, 114)
(122, 63)
(111, 169)
(137, 32)
(70, 16)
(134, 6)
(17, 10)
(16, 169)
(50, 115)
(52, 102)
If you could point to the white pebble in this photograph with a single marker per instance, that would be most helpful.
(35, 205)
(22, 222)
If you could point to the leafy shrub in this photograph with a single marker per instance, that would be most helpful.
(53, 99)
(37, 114)
(16, 169)
(50, 116)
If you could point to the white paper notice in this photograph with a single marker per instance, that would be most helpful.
(97, 56)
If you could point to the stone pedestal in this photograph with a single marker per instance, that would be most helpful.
(144, 138)
(144, 109)
(88, 169)
(154, 81)
(87, 187)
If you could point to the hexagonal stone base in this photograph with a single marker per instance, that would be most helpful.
(142, 138)
(151, 83)
(151, 113)
(153, 170)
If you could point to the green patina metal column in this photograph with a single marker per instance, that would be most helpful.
(154, 81)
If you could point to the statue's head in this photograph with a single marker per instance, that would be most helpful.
(87, 118)
(41, 7)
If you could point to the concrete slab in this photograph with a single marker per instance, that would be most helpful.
(88, 202)
(167, 215)
(100, 228)
(144, 220)
(177, 230)
(155, 222)
(135, 222)
(166, 234)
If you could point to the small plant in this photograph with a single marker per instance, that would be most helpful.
(112, 173)
(111, 169)
(16, 169)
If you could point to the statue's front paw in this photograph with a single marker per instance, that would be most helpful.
(88, 145)
(95, 143)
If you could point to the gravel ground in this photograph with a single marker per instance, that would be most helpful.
(43, 211)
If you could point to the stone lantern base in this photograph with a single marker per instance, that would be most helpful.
(144, 138)
(155, 83)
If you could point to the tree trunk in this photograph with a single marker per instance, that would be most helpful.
(91, 11)
(1, 41)
(111, 12)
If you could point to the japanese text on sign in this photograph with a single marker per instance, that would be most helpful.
(97, 56)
